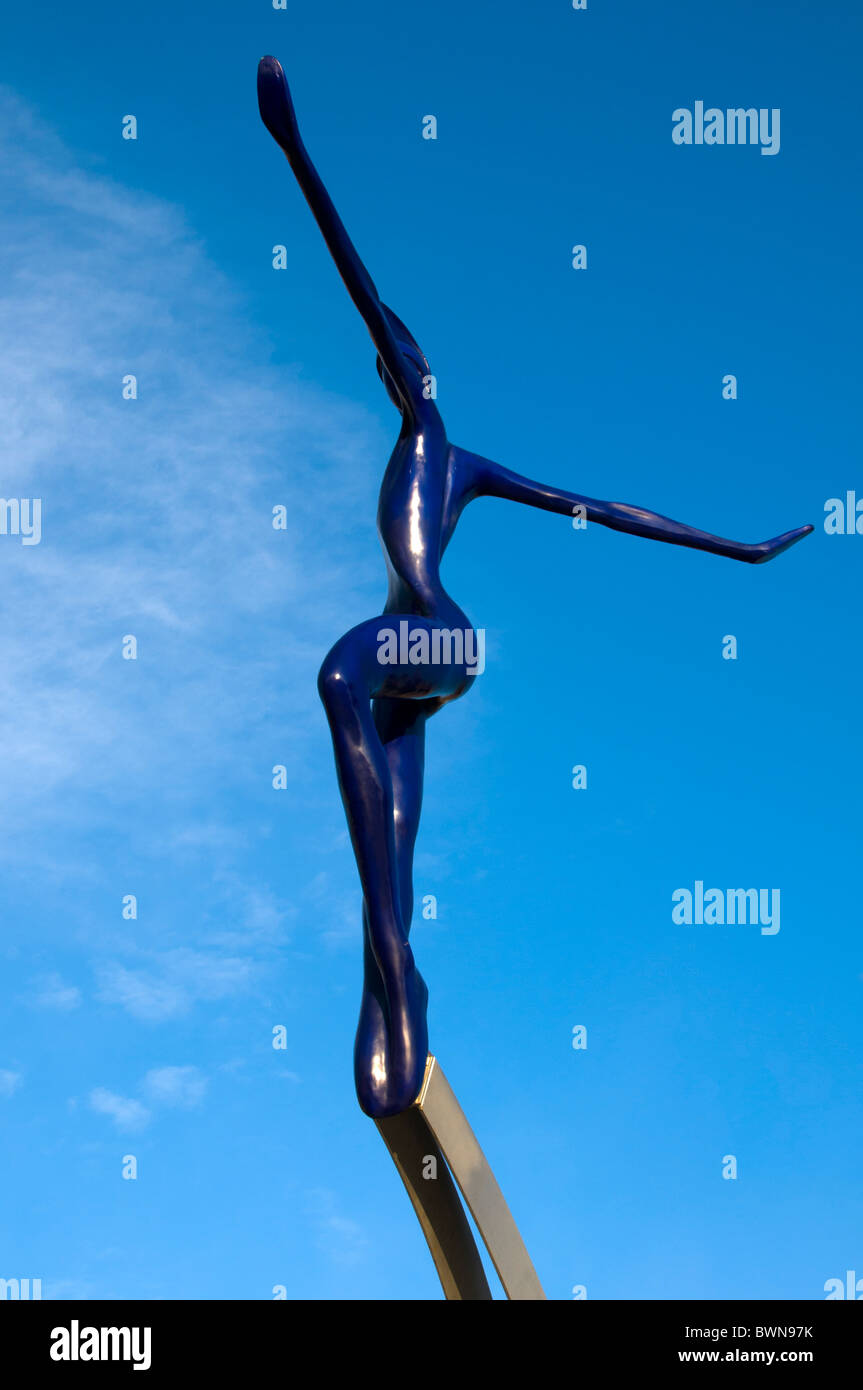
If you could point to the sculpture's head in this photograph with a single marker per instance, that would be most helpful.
(411, 351)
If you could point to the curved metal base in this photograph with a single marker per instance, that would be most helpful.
(435, 1128)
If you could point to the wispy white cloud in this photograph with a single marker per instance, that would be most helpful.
(9, 1082)
(162, 1088)
(51, 992)
(175, 1086)
(172, 982)
(338, 1236)
(156, 511)
(127, 1114)
(336, 906)
(157, 522)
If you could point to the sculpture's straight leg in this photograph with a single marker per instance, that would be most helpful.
(391, 1053)
(401, 728)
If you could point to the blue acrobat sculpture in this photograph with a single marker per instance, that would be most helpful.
(378, 710)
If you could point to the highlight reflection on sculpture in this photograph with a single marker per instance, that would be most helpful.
(378, 713)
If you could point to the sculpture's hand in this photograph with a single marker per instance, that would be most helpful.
(276, 106)
(767, 550)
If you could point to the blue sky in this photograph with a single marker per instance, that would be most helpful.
(257, 388)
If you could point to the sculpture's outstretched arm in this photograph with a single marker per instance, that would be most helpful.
(278, 115)
(488, 479)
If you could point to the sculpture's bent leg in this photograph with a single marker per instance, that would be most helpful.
(350, 677)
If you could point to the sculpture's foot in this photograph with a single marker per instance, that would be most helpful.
(392, 1043)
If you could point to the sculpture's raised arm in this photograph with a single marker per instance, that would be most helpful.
(278, 115)
(483, 478)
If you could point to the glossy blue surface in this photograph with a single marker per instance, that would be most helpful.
(378, 711)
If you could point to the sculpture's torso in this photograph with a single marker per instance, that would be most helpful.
(417, 511)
